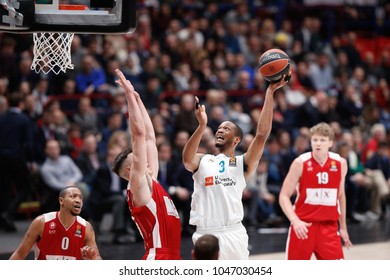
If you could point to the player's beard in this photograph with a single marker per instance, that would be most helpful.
(219, 145)
(222, 146)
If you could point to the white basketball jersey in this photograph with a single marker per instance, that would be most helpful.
(218, 186)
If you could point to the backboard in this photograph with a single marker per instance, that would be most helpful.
(76, 16)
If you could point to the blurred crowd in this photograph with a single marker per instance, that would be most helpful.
(179, 49)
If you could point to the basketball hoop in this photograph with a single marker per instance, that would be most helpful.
(52, 52)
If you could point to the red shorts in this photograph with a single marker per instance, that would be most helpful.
(162, 254)
(323, 240)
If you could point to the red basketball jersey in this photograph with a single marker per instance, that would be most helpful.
(59, 243)
(159, 224)
(317, 198)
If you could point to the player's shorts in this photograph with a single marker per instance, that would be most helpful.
(233, 241)
(323, 240)
(162, 254)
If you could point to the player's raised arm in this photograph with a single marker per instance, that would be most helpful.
(263, 129)
(150, 137)
(138, 185)
(190, 157)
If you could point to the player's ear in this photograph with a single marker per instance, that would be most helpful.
(237, 140)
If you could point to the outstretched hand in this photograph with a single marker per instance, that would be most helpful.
(124, 83)
(200, 112)
(281, 83)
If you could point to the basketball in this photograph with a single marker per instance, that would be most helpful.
(273, 64)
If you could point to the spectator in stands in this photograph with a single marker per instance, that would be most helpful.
(60, 126)
(89, 160)
(321, 73)
(24, 71)
(273, 155)
(350, 47)
(86, 116)
(114, 123)
(78, 51)
(8, 61)
(40, 94)
(91, 78)
(378, 168)
(119, 138)
(107, 196)
(57, 172)
(166, 165)
(16, 155)
(265, 209)
(354, 183)
(300, 146)
(304, 34)
(377, 134)
(75, 139)
(70, 103)
(176, 180)
(185, 119)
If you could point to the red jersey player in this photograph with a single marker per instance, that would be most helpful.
(151, 207)
(61, 235)
(318, 218)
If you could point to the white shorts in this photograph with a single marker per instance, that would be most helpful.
(233, 241)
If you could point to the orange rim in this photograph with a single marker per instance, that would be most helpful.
(70, 7)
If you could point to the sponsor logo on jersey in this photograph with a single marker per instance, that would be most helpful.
(59, 257)
(52, 225)
(309, 166)
(233, 161)
(321, 196)
(170, 206)
(52, 231)
(78, 231)
(208, 181)
(333, 166)
(226, 182)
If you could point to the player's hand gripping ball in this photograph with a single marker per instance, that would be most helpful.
(273, 64)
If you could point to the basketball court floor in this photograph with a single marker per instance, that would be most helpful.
(371, 242)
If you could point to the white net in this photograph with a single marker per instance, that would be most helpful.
(52, 52)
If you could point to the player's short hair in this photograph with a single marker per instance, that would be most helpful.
(118, 162)
(238, 131)
(65, 190)
(206, 248)
(322, 129)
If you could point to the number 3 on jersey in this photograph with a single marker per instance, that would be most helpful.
(222, 167)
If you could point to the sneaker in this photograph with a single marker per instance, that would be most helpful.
(123, 239)
(372, 216)
(359, 217)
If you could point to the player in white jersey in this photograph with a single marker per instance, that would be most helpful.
(216, 206)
